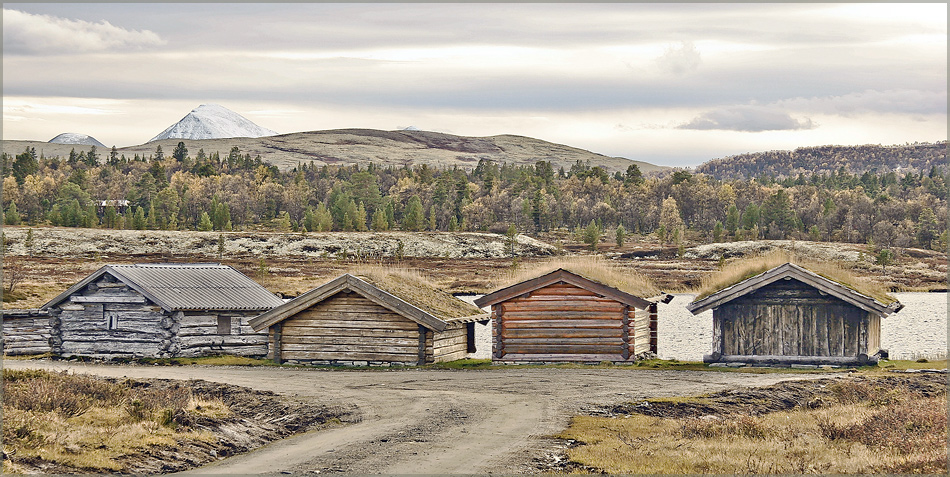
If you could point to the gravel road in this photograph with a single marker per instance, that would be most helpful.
(417, 421)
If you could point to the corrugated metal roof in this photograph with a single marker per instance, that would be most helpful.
(180, 287)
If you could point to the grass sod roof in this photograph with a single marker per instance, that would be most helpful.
(739, 270)
(594, 268)
(414, 288)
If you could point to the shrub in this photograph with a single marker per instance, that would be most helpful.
(68, 395)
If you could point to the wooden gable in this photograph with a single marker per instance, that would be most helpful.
(348, 326)
(354, 284)
(566, 277)
(790, 271)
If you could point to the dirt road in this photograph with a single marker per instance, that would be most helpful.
(431, 421)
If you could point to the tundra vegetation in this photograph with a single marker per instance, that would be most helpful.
(851, 427)
(87, 423)
(191, 190)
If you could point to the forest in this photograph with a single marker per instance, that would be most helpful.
(210, 191)
(826, 159)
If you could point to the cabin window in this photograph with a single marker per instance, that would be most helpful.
(224, 325)
(111, 318)
(470, 336)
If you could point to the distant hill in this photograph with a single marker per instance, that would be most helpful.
(827, 159)
(75, 138)
(363, 146)
(212, 121)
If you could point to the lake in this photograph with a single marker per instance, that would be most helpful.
(917, 331)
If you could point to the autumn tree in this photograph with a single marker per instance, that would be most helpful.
(670, 219)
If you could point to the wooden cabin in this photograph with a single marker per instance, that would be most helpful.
(371, 320)
(160, 310)
(563, 316)
(790, 315)
(26, 332)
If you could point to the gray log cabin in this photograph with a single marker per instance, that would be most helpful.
(790, 315)
(563, 316)
(372, 319)
(159, 311)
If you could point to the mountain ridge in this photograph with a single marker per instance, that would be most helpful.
(76, 139)
(383, 148)
(212, 121)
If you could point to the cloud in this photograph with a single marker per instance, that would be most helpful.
(681, 60)
(747, 119)
(900, 101)
(27, 33)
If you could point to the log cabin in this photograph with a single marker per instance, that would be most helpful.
(159, 311)
(791, 315)
(372, 318)
(564, 316)
(26, 332)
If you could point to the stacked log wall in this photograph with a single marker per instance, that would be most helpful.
(348, 329)
(450, 344)
(563, 322)
(80, 327)
(198, 335)
(26, 333)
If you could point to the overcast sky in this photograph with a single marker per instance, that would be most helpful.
(671, 84)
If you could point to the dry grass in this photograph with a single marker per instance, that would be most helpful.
(591, 267)
(416, 289)
(738, 270)
(87, 423)
(858, 433)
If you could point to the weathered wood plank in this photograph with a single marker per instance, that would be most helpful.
(564, 315)
(614, 332)
(562, 323)
(350, 316)
(560, 341)
(348, 355)
(387, 325)
(356, 341)
(554, 357)
(566, 348)
(102, 298)
(563, 306)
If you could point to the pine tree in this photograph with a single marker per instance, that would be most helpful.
(323, 218)
(138, 219)
(412, 218)
(717, 232)
(204, 223)
(620, 234)
(380, 223)
(591, 235)
(12, 216)
(361, 218)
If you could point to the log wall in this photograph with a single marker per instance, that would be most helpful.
(563, 322)
(349, 329)
(108, 319)
(450, 344)
(789, 318)
(26, 333)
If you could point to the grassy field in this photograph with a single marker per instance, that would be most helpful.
(82, 422)
(857, 426)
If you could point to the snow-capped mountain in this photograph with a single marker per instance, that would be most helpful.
(75, 138)
(212, 121)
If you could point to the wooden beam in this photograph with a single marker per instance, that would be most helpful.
(278, 336)
(422, 345)
(625, 334)
(106, 299)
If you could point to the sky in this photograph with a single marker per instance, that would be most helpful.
(672, 84)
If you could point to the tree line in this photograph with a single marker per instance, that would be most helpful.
(828, 159)
(205, 191)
